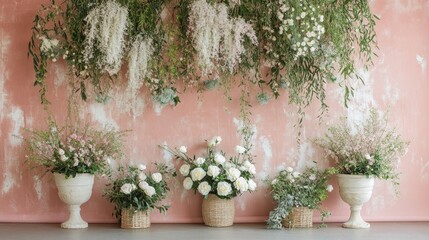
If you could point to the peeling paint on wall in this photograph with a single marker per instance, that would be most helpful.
(16, 117)
(268, 154)
(38, 187)
(422, 62)
(99, 115)
(4, 47)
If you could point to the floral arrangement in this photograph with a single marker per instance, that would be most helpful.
(291, 188)
(370, 148)
(133, 188)
(73, 149)
(214, 174)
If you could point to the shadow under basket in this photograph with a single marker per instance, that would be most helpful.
(299, 217)
(135, 219)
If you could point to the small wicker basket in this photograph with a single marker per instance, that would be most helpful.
(299, 217)
(218, 212)
(135, 219)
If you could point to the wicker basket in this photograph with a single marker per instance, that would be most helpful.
(135, 219)
(218, 212)
(299, 217)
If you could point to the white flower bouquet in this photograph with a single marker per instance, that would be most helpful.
(214, 174)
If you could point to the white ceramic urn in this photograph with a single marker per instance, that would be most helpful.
(74, 191)
(355, 190)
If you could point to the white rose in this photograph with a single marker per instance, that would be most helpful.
(233, 174)
(224, 189)
(296, 174)
(219, 158)
(213, 171)
(241, 184)
(157, 177)
(142, 167)
(197, 174)
(329, 188)
(127, 188)
(229, 165)
(239, 149)
(187, 183)
(184, 169)
(289, 169)
(143, 185)
(312, 177)
(252, 185)
(142, 176)
(150, 191)
(252, 169)
(200, 161)
(183, 149)
(204, 188)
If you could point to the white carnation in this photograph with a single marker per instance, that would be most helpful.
(224, 189)
(142, 167)
(184, 169)
(187, 183)
(241, 184)
(204, 188)
(252, 185)
(329, 188)
(150, 191)
(183, 149)
(127, 188)
(233, 174)
(197, 174)
(219, 158)
(157, 177)
(213, 171)
(200, 161)
(240, 149)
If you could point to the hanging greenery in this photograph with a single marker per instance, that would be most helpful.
(304, 45)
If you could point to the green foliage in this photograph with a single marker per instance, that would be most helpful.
(139, 198)
(369, 148)
(293, 189)
(73, 149)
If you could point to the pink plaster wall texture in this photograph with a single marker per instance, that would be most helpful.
(399, 79)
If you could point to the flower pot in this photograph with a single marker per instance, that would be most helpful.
(218, 212)
(355, 190)
(135, 219)
(299, 217)
(74, 191)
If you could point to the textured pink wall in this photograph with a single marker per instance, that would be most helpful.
(399, 79)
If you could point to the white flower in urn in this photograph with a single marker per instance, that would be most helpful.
(241, 184)
(213, 171)
(329, 188)
(143, 185)
(224, 189)
(204, 188)
(252, 185)
(183, 149)
(150, 191)
(184, 169)
(240, 149)
(127, 188)
(219, 158)
(197, 174)
(141, 167)
(233, 174)
(187, 183)
(157, 177)
(200, 161)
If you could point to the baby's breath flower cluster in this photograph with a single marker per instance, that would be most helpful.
(135, 189)
(369, 148)
(291, 188)
(214, 174)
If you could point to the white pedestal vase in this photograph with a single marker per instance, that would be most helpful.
(74, 191)
(355, 190)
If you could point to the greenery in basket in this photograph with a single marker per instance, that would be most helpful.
(73, 149)
(212, 173)
(133, 188)
(371, 148)
(294, 189)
